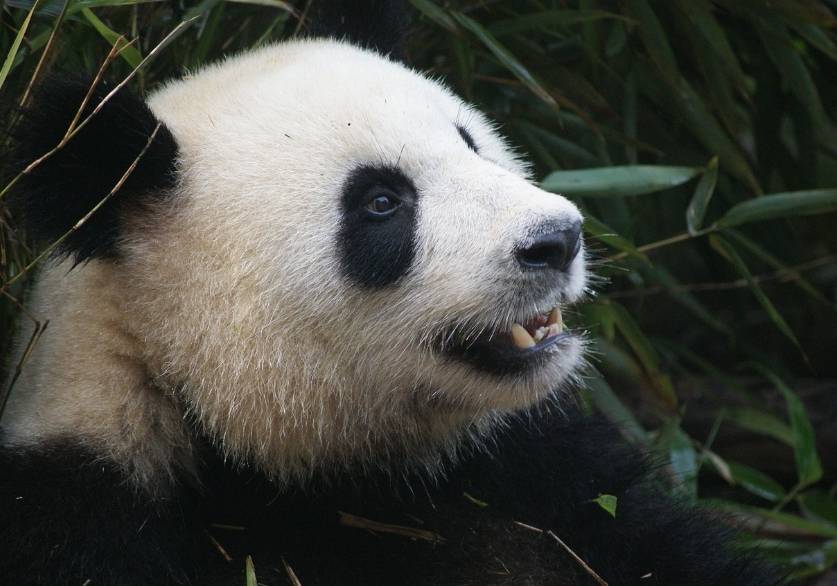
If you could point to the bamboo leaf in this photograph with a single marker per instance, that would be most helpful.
(250, 572)
(505, 57)
(645, 352)
(617, 181)
(727, 251)
(21, 33)
(805, 526)
(609, 403)
(774, 262)
(808, 467)
(548, 19)
(607, 502)
(700, 200)
(761, 422)
(795, 75)
(681, 456)
(606, 234)
(129, 53)
(781, 205)
(654, 38)
(431, 10)
(756, 482)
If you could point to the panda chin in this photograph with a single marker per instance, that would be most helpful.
(526, 348)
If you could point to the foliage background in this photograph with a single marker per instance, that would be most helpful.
(715, 311)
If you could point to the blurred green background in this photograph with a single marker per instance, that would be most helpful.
(699, 138)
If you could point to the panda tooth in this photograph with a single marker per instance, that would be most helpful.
(555, 329)
(521, 337)
(555, 317)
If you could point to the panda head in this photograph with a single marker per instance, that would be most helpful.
(329, 258)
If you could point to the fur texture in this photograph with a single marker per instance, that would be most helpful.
(258, 318)
(380, 25)
(544, 472)
(58, 193)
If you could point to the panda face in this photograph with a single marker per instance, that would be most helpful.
(356, 263)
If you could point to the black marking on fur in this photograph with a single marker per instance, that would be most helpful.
(376, 253)
(466, 136)
(74, 519)
(67, 516)
(67, 185)
(373, 24)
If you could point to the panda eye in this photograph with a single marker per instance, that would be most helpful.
(382, 205)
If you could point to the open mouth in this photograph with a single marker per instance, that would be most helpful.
(524, 347)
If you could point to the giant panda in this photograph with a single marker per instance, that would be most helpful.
(315, 319)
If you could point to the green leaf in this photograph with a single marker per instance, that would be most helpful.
(606, 234)
(431, 10)
(702, 20)
(250, 572)
(548, 19)
(609, 404)
(726, 250)
(796, 78)
(618, 181)
(681, 455)
(700, 200)
(819, 504)
(683, 102)
(819, 38)
(808, 467)
(756, 482)
(781, 205)
(654, 38)
(761, 422)
(645, 352)
(774, 262)
(505, 57)
(21, 33)
(607, 502)
(759, 515)
(815, 561)
(685, 298)
(128, 52)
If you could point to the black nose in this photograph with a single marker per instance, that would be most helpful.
(553, 248)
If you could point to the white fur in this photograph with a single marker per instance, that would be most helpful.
(230, 298)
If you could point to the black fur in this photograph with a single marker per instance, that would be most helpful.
(374, 24)
(66, 186)
(466, 136)
(376, 252)
(66, 517)
(75, 519)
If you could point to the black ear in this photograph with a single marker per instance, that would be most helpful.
(56, 194)
(374, 24)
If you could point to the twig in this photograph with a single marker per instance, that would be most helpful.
(291, 574)
(665, 242)
(569, 550)
(227, 557)
(788, 274)
(44, 54)
(87, 216)
(350, 520)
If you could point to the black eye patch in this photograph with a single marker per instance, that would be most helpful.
(466, 136)
(376, 245)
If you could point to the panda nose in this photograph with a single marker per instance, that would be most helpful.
(553, 248)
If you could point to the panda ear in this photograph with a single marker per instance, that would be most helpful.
(54, 195)
(374, 24)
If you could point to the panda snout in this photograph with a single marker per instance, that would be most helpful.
(553, 247)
